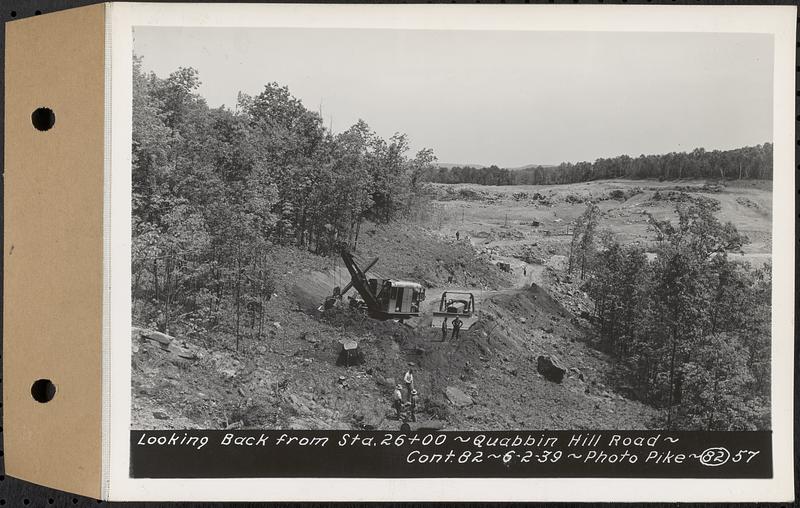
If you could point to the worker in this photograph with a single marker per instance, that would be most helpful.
(525, 271)
(398, 400)
(413, 405)
(408, 378)
(456, 327)
(457, 235)
(444, 330)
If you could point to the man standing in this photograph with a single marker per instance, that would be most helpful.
(457, 235)
(456, 327)
(413, 405)
(444, 330)
(397, 397)
(409, 380)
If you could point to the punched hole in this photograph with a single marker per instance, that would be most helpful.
(43, 390)
(43, 119)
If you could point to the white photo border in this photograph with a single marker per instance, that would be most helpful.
(778, 21)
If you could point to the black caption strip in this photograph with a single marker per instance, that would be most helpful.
(513, 454)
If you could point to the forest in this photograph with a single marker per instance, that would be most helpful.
(752, 162)
(215, 188)
(689, 327)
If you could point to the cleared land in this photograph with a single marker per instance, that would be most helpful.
(505, 219)
(288, 377)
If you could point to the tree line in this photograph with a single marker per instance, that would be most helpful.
(752, 162)
(214, 189)
(688, 326)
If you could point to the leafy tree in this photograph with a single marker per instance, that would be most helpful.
(215, 191)
(690, 327)
(582, 245)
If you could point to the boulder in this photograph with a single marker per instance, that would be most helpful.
(457, 397)
(550, 367)
(162, 339)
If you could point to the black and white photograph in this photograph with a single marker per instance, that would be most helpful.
(455, 230)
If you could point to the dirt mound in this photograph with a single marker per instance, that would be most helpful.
(544, 302)
(414, 253)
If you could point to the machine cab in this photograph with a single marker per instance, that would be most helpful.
(398, 298)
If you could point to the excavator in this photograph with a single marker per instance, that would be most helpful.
(381, 298)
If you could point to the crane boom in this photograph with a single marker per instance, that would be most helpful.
(350, 284)
(358, 280)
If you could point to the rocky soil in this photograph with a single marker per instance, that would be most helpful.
(492, 378)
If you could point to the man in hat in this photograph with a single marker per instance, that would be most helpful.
(408, 378)
(444, 330)
(397, 398)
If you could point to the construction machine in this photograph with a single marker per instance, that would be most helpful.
(380, 298)
(455, 304)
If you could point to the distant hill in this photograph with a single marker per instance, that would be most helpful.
(529, 166)
(746, 163)
(448, 165)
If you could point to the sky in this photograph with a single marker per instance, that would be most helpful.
(510, 98)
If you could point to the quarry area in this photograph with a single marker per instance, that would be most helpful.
(527, 362)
